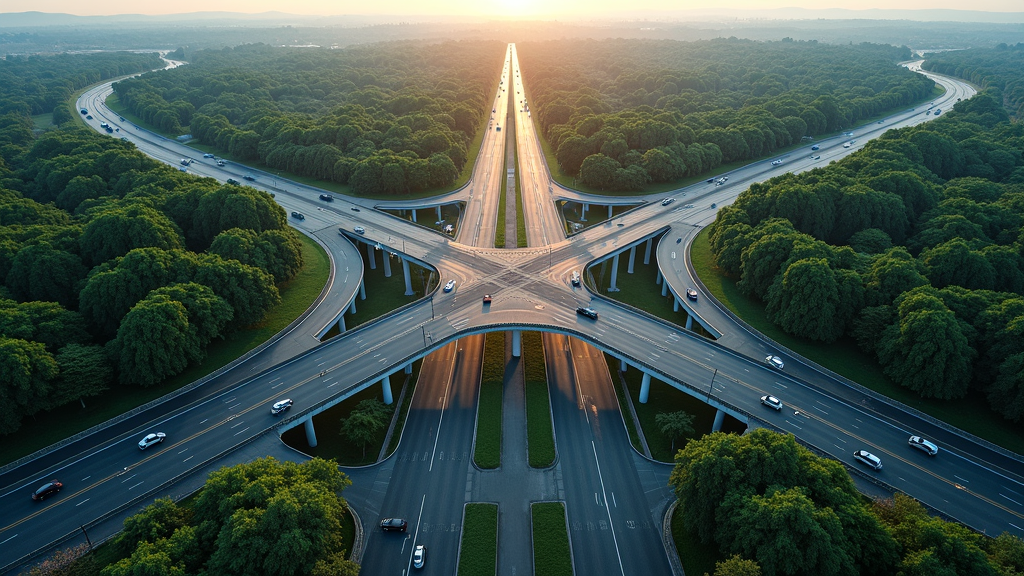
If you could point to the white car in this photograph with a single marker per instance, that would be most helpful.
(280, 406)
(150, 439)
(772, 402)
(360, 230)
(667, 201)
(776, 162)
(449, 286)
(419, 556)
(775, 362)
(923, 445)
(868, 459)
(815, 157)
(846, 145)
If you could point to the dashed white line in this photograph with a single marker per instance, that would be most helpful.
(15, 536)
(235, 406)
(82, 502)
(242, 430)
(128, 478)
(964, 479)
(237, 425)
(1010, 499)
(136, 485)
(86, 478)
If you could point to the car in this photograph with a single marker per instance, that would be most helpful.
(84, 111)
(393, 525)
(587, 311)
(327, 198)
(298, 215)
(667, 201)
(249, 178)
(207, 155)
(487, 298)
(868, 459)
(923, 445)
(220, 163)
(419, 556)
(121, 118)
(88, 117)
(846, 145)
(776, 162)
(881, 121)
(853, 141)
(711, 180)
(359, 230)
(775, 362)
(713, 205)
(123, 138)
(232, 182)
(691, 294)
(186, 161)
(150, 439)
(575, 278)
(356, 209)
(771, 402)
(449, 286)
(109, 130)
(280, 406)
(51, 487)
(815, 147)
(816, 157)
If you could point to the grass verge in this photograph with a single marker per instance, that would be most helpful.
(487, 451)
(551, 555)
(540, 438)
(697, 558)
(499, 223)
(403, 410)
(520, 213)
(478, 554)
(971, 414)
(46, 428)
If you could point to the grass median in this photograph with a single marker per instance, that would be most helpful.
(46, 428)
(551, 552)
(478, 553)
(487, 450)
(540, 438)
(971, 414)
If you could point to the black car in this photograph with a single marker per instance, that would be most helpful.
(249, 177)
(588, 312)
(233, 182)
(327, 198)
(48, 489)
(298, 215)
(84, 111)
(393, 525)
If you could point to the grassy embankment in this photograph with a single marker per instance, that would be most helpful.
(478, 554)
(551, 553)
(49, 427)
(487, 450)
(971, 414)
(540, 438)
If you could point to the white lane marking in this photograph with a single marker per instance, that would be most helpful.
(611, 524)
(128, 478)
(228, 400)
(614, 503)
(242, 430)
(276, 385)
(15, 536)
(451, 376)
(237, 425)
(964, 479)
(187, 459)
(416, 533)
(90, 476)
(82, 502)
(136, 485)
(1010, 499)
(204, 420)
(235, 406)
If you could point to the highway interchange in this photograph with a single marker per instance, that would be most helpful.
(614, 498)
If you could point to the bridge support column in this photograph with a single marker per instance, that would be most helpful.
(583, 213)
(517, 343)
(352, 307)
(610, 207)
(645, 388)
(413, 214)
(675, 304)
(385, 384)
(689, 321)
(310, 432)
(657, 279)
(408, 368)
(439, 212)
(362, 289)
(341, 323)
(615, 273)
(371, 254)
(632, 259)
(664, 286)
(387, 263)
(623, 365)
(719, 418)
(647, 251)
(408, 277)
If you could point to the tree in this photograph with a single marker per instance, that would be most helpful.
(82, 372)
(804, 301)
(736, 566)
(208, 313)
(41, 272)
(26, 373)
(118, 231)
(598, 171)
(571, 153)
(674, 425)
(954, 263)
(153, 342)
(157, 521)
(366, 420)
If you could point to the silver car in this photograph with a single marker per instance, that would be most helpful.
(775, 362)
(869, 459)
(772, 402)
(419, 556)
(150, 439)
(923, 445)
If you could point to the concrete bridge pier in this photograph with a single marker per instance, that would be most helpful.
(371, 254)
(385, 384)
(719, 418)
(517, 343)
(583, 212)
(615, 273)
(341, 323)
(623, 365)
(352, 307)
(689, 321)
(645, 388)
(610, 207)
(408, 368)
(647, 251)
(387, 264)
(657, 279)
(632, 258)
(408, 277)
(438, 212)
(413, 214)
(310, 432)
(675, 304)
(362, 289)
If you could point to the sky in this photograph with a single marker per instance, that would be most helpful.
(505, 8)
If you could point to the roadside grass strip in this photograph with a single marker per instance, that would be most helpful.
(551, 553)
(478, 553)
(540, 437)
(487, 450)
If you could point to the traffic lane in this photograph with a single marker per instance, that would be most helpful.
(637, 534)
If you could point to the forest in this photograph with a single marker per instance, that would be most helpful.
(774, 508)
(620, 114)
(385, 119)
(118, 269)
(1001, 67)
(913, 247)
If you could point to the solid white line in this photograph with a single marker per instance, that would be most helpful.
(415, 535)
(611, 524)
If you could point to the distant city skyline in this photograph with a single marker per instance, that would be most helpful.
(502, 8)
